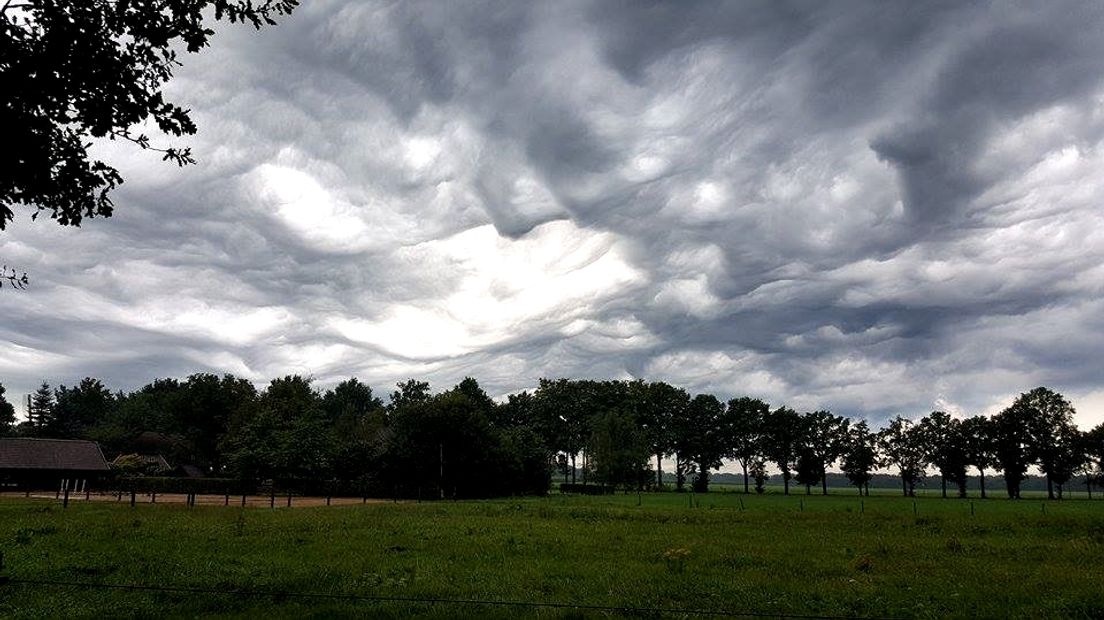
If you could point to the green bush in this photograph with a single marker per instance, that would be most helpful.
(587, 489)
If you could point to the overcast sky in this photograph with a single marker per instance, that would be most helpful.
(874, 208)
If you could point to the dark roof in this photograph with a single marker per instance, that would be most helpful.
(52, 454)
(192, 471)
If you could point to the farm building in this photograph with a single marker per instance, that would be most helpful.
(50, 463)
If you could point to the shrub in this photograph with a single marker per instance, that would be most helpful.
(201, 486)
(587, 489)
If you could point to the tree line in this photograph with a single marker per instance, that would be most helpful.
(461, 443)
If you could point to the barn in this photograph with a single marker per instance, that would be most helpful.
(28, 464)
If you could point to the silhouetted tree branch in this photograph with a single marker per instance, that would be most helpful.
(71, 72)
(15, 280)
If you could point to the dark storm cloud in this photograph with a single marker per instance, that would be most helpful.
(1023, 60)
(870, 207)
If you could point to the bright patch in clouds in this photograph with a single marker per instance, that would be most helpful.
(307, 208)
(494, 288)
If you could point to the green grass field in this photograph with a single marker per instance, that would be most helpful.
(885, 557)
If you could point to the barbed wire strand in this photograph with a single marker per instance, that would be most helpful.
(417, 599)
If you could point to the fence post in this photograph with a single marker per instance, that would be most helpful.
(65, 500)
(133, 497)
(243, 500)
(272, 498)
(153, 497)
(289, 499)
(226, 502)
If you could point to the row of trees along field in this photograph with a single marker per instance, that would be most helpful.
(460, 443)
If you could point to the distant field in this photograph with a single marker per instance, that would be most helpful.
(992, 492)
(836, 555)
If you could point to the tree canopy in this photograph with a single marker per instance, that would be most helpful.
(73, 72)
(7, 415)
(462, 443)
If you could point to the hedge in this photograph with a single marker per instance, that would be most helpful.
(232, 486)
(586, 489)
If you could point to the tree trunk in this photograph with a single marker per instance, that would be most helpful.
(982, 473)
(808, 489)
(785, 481)
(1050, 488)
(744, 464)
(659, 470)
(824, 482)
(701, 482)
(572, 468)
(943, 484)
(904, 486)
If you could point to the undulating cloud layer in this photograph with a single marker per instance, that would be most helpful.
(866, 207)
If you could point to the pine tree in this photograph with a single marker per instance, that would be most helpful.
(42, 406)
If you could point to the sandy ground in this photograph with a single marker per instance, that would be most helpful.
(251, 501)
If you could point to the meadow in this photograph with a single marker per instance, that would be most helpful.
(772, 555)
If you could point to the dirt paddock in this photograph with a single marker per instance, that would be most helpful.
(249, 501)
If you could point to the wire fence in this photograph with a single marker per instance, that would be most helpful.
(280, 500)
(411, 600)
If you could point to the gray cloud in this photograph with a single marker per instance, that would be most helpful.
(869, 208)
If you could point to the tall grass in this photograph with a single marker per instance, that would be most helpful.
(835, 555)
